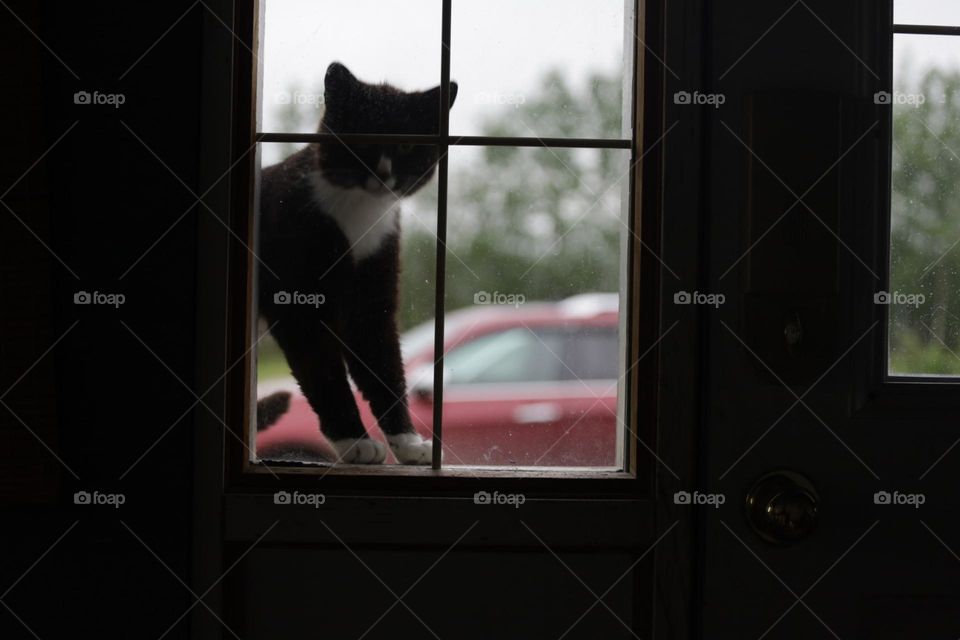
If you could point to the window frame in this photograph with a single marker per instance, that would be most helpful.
(878, 393)
(639, 309)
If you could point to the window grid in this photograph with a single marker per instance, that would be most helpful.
(927, 29)
(443, 142)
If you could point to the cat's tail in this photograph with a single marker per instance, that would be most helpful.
(271, 408)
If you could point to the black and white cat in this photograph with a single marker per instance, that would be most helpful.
(329, 228)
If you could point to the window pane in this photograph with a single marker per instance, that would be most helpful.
(532, 284)
(924, 298)
(394, 42)
(304, 256)
(533, 353)
(539, 67)
(938, 12)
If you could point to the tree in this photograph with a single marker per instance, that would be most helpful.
(544, 223)
(925, 231)
(541, 223)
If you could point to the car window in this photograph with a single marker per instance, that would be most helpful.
(513, 355)
(591, 354)
(420, 337)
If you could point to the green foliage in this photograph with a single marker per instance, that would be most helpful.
(543, 223)
(926, 227)
(911, 354)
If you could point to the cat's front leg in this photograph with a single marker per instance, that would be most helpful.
(377, 369)
(316, 361)
(411, 448)
(374, 359)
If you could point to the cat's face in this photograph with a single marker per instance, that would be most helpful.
(357, 107)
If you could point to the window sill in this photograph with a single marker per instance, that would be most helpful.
(449, 471)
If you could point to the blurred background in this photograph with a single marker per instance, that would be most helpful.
(544, 224)
(925, 224)
(533, 234)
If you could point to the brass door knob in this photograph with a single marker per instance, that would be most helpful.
(782, 507)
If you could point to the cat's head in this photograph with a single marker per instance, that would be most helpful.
(352, 106)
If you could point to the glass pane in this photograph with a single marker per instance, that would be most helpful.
(532, 282)
(938, 12)
(549, 68)
(924, 297)
(324, 269)
(394, 42)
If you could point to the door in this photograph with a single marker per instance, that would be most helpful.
(286, 550)
(825, 494)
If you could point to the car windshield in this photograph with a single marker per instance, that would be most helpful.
(420, 337)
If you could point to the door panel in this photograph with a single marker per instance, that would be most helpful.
(502, 595)
(800, 120)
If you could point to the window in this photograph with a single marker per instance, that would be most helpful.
(923, 298)
(515, 214)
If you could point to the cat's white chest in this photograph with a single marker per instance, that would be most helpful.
(367, 220)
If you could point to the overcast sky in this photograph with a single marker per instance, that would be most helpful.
(500, 48)
(914, 53)
(940, 12)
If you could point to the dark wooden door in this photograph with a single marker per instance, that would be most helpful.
(854, 535)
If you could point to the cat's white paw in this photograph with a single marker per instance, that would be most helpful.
(411, 448)
(359, 451)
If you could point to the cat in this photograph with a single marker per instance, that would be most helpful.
(329, 233)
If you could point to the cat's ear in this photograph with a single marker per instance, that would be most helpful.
(338, 81)
(433, 95)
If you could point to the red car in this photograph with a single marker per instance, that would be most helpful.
(527, 385)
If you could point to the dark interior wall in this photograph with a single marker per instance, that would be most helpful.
(108, 208)
(109, 213)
